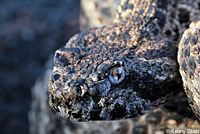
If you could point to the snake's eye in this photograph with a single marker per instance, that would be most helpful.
(116, 74)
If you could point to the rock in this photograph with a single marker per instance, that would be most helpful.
(97, 13)
(30, 31)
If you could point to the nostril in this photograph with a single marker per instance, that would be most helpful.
(57, 55)
(79, 88)
(55, 77)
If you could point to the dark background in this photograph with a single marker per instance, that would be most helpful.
(30, 31)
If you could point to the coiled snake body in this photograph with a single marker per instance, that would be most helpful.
(128, 68)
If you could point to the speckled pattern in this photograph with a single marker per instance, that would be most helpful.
(175, 114)
(98, 13)
(189, 60)
(122, 70)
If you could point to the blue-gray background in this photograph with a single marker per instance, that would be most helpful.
(30, 30)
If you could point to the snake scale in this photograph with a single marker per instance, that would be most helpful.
(130, 67)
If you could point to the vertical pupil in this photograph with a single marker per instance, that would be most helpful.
(78, 89)
(117, 72)
(118, 76)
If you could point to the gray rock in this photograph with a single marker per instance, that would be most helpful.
(30, 31)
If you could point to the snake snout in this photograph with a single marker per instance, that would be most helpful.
(67, 56)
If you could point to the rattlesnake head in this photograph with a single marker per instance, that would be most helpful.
(119, 71)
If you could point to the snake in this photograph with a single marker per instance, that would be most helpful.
(130, 67)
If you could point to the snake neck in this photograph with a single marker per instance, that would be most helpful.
(147, 17)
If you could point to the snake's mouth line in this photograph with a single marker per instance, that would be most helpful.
(116, 104)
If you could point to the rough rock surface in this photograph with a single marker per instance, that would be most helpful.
(97, 13)
(30, 31)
